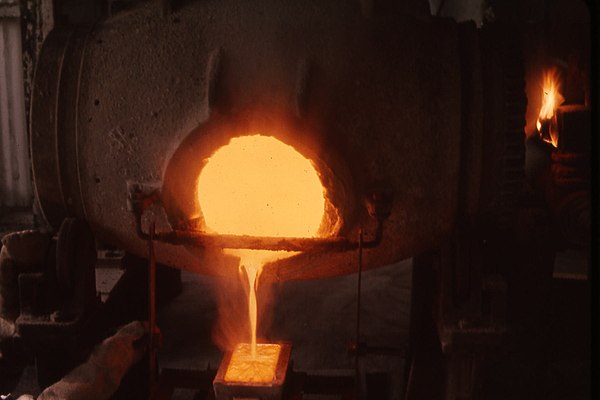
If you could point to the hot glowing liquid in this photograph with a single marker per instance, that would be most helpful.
(260, 368)
(252, 262)
(259, 186)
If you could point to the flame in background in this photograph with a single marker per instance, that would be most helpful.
(259, 186)
(551, 99)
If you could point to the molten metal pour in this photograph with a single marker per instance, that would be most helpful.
(251, 266)
(259, 186)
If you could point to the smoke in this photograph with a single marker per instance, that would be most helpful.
(233, 325)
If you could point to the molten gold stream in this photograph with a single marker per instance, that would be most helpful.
(251, 265)
(259, 186)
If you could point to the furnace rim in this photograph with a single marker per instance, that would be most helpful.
(179, 195)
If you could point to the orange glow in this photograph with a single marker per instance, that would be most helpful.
(252, 262)
(551, 99)
(258, 186)
(243, 367)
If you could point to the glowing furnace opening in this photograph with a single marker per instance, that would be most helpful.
(259, 186)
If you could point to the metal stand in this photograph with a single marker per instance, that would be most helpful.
(152, 343)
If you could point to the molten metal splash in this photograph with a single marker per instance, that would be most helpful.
(258, 186)
(551, 99)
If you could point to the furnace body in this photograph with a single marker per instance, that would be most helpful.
(388, 103)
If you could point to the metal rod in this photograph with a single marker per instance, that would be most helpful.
(191, 237)
(201, 239)
(357, 355)
(152, 306)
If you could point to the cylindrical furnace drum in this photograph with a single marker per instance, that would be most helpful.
(380, 102)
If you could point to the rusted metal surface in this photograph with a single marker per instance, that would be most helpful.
(370, 108)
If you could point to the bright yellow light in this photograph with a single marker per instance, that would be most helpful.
(259, 186)
(550, 102)
(243, 367)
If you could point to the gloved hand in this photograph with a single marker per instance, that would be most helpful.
(100, 376)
